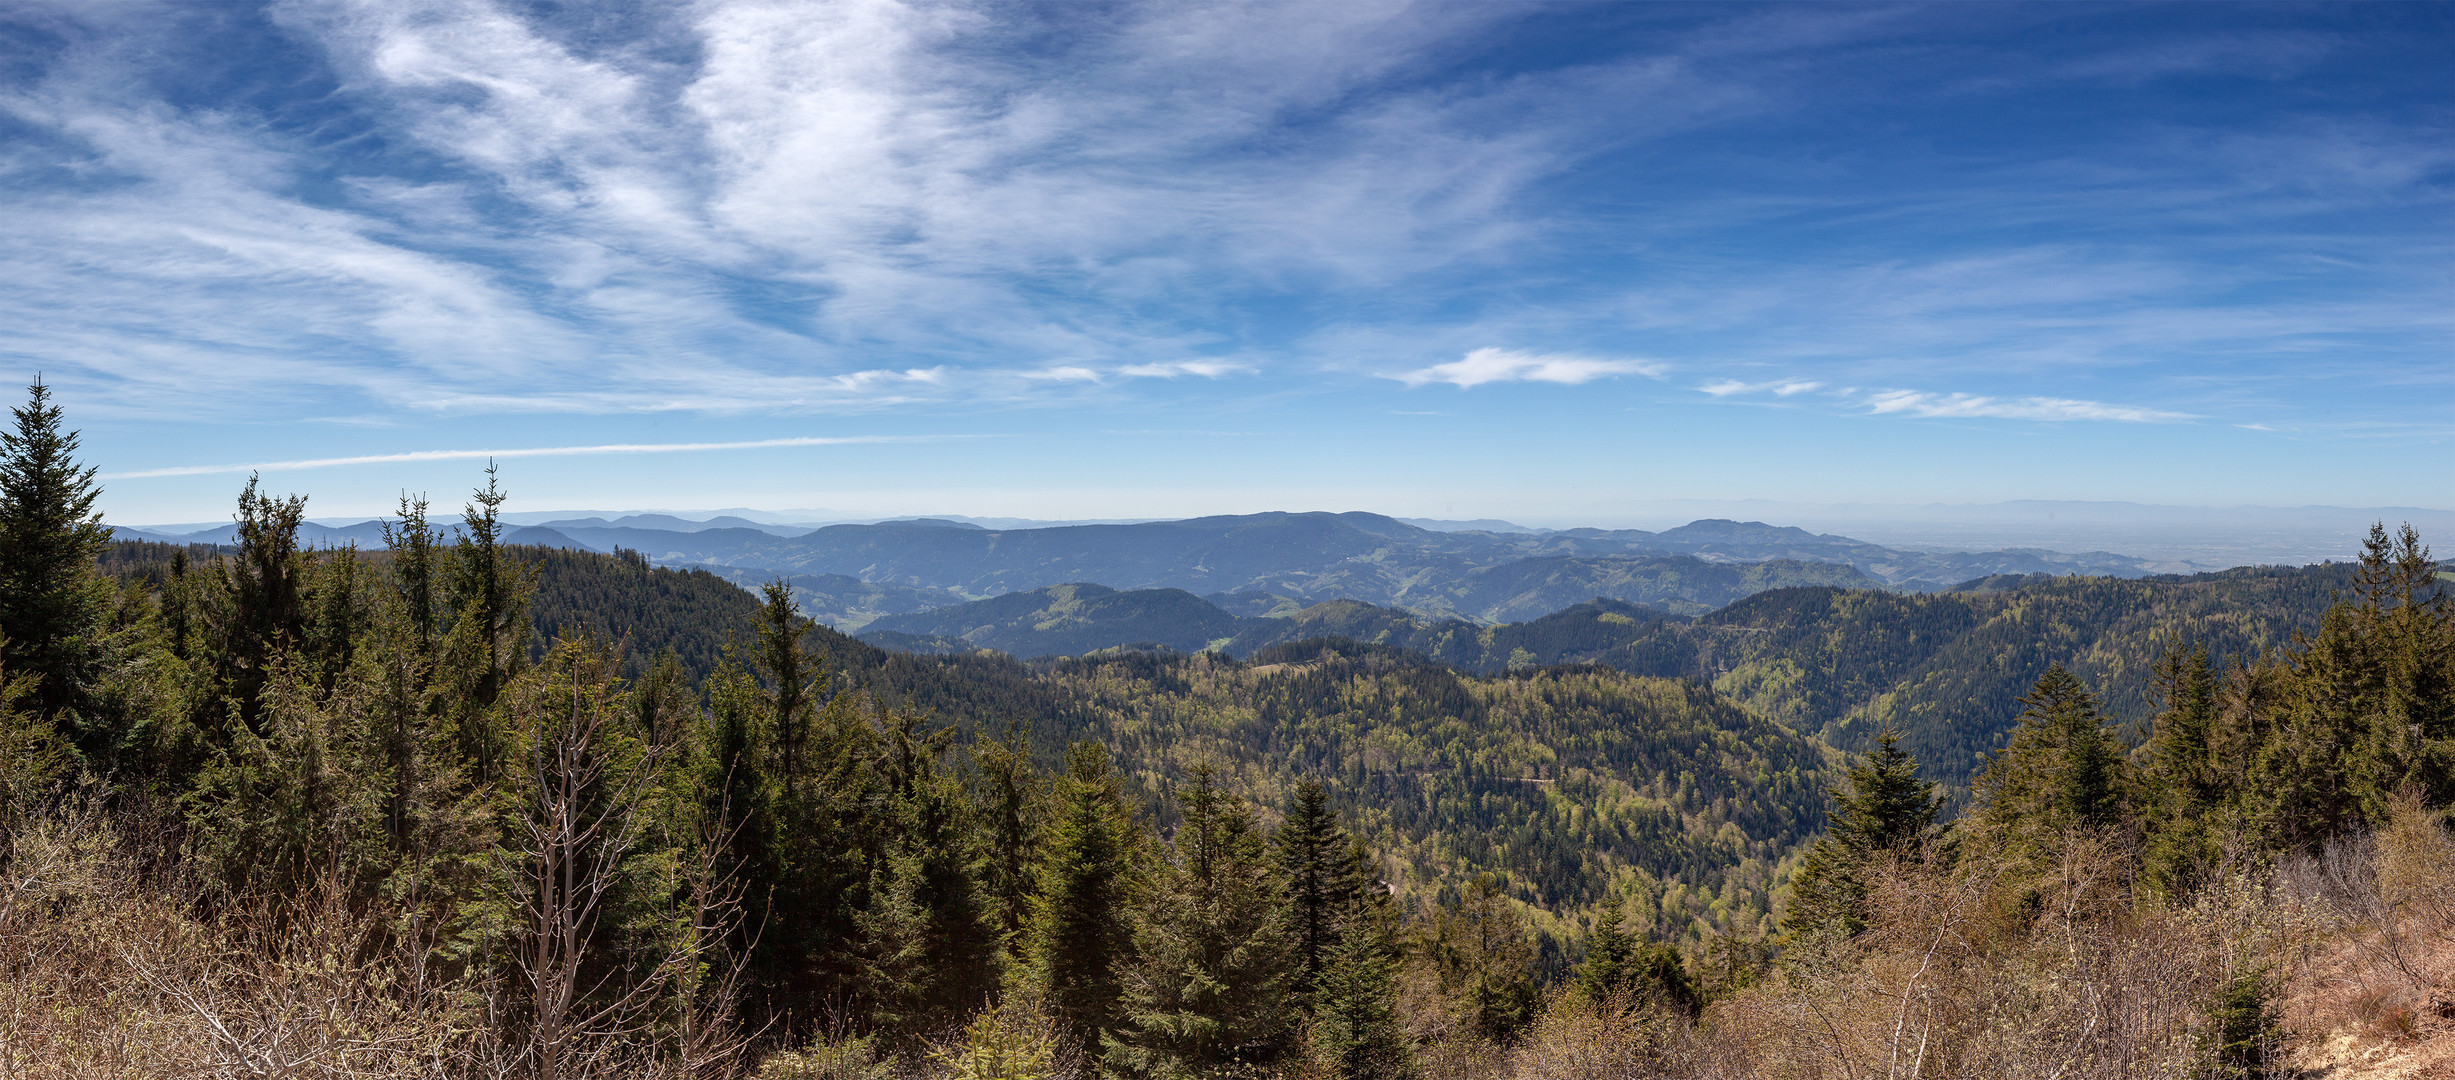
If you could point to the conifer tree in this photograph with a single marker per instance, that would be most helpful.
(1083, 934)
(488, 594)
(1008, 798)
(2063, 773)
(1325, 880)
(1480, 944)
(1623, 972)
(736, 792)
(793, 678)
(2182, 784)
(487, 598)
(2374, 709)
(934, 952)
(1881, 808)
(53, 608)
(413, 546)
(1208, 987)
(263, 613)
(1357, 1032)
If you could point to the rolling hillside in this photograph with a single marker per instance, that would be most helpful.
(1943, 668)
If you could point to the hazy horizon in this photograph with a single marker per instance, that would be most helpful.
(2205, 537)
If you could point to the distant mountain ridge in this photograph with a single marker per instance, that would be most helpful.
(1307, 558)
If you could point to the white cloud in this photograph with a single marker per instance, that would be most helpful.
(1491, 365)
(1778, 387)
(1920, 403)
(1923, 404)
(520, 452)
(1208, 369)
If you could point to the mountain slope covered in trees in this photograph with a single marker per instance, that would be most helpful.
(1943, 669)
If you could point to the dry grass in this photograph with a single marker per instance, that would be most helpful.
(102, 976)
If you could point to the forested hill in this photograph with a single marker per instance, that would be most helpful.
(1578, 782)
(651, 609)
(1305, 557)
(648, 609)
(1575, 782)
(1943, 668)
(1071, 620)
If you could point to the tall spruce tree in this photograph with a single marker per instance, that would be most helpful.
(263, 609)
(1880, 808)
(1483, 950)
(794, 678)
(1620, 971)
(1357, 1032)
(2063, 774)
(2183, 784)
(1206, 995)
(1008, 804)
(1083, 941)
(487, 596)
(53, 608)
(933, 947)
(413, 545)
(1325, 881)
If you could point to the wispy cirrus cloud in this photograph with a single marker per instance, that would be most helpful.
(1777, 387)
(533, 213)
(1495, 365)
(522, 452)
(1923, 404)
(1931, 405)
(1208, 369)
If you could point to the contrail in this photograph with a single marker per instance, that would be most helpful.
(527, 451)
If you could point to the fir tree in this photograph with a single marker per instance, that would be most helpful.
(53, 608)
(935, 952)
(1008, 800)
(1324, 878)
(1207, 992)
(489, 595)
(1083, 934)
(793, 678)
(1357, 1032)
(412, 543)
(1881, 808)
(264, 613)
(487, 598)
(1623, 972)
(2063, 773)
(2182, 784)
(1480, 943)
(2375, 708)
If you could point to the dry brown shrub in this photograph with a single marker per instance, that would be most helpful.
(1989, 969)
(2373, 992)
(1612, 1039)
(105, 972)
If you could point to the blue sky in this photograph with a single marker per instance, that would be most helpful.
(1552, 263)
